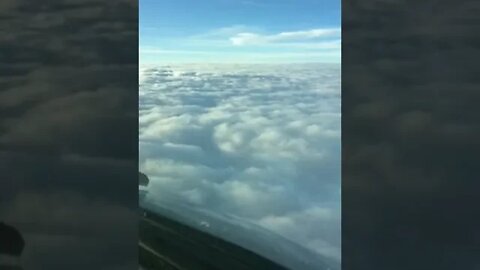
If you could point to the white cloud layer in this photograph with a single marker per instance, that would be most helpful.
(261, 142)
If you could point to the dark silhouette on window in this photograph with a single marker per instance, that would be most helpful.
(143, 179)
(12, 245)
(12, 242)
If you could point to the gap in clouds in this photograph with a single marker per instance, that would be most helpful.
(261, 142)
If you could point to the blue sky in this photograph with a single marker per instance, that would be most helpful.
(179, 31)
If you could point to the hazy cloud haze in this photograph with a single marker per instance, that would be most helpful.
(68, 131)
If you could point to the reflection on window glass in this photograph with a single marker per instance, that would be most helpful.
(240, 134)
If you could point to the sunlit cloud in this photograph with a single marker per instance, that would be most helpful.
(261, 142)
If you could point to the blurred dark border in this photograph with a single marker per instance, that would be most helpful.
(411, 134)
(69, 131)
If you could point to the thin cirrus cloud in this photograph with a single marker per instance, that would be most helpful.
(241, 43)
(295, 36)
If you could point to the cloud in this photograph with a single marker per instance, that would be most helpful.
(247, 44)
(307, 53)
(52, 221)
(68, 131)
(410, 123)
(261, 142)
(169, 51)
(315, 218)
(225, 31)
(247, 38)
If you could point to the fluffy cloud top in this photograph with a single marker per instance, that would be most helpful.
(261, 142)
